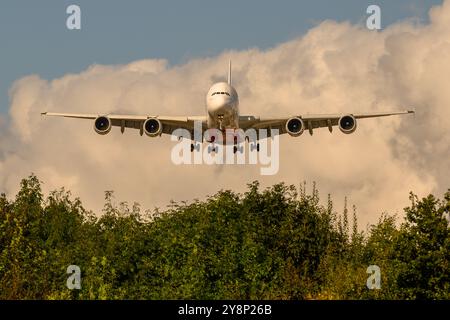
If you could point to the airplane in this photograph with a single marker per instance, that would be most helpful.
(222, 113)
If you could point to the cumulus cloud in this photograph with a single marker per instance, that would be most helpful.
(335, 67)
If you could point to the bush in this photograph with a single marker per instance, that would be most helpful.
(264, 244)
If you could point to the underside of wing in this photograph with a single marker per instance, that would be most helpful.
(296, 125)
(151, 125)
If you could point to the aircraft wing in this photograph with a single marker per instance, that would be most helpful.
(169, 123)
(310, 121)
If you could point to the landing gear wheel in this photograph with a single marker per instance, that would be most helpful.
(220, 119)
(195, 146)
(254, 146)
(238, 149)
(213, 149)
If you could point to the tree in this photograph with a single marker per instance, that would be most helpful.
(424, 248)
(275, 243)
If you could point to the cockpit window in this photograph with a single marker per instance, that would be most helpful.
(214, 93)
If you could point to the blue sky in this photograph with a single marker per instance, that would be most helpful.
(34, 38)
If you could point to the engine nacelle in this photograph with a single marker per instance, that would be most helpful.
(102, 125)
(347, 124)
(152, 127)
(295, 127)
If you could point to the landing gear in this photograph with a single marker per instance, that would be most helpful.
(195, 146)
(213, 148)
(254, 146)
(220, 120)
(237, 148)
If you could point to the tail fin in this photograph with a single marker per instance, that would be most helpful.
(229, 72)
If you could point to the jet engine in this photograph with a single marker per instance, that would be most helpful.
(152, 127)
(102, 125)
(347, 124)
(295, 127)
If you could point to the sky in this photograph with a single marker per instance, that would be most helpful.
(34, 38)
(288, 58)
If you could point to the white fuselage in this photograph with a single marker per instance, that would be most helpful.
(222, 106)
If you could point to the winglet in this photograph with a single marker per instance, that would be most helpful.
(43, 113)
(229, 72)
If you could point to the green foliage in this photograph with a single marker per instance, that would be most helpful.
(275, 243)
(424, 244)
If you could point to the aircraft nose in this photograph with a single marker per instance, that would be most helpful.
(219, 104)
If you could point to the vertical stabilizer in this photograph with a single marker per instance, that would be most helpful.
(229, 72)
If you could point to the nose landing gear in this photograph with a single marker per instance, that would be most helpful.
(220, 120)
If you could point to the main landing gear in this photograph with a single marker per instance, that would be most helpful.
(254, 146)
(236, 147)
(195, 146)
(215, 148)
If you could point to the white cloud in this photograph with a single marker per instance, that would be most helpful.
(336, 67)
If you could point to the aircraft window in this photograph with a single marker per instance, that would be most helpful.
(214, 93)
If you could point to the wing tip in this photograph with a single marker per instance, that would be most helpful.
(43, 113)
(411, 111)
